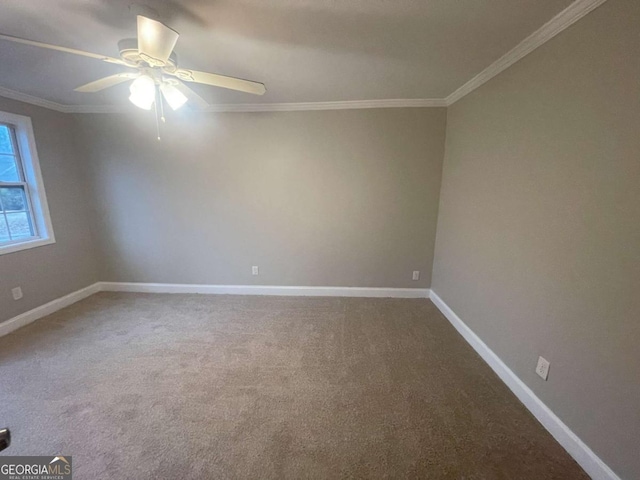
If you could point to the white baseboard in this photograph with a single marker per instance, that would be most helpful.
(586, 458)
(265, 290)
(26, 318)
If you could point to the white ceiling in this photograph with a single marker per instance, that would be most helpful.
(303, 50)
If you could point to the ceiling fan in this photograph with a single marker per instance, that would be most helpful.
(157, 73)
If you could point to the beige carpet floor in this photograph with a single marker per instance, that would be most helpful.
(141, 386)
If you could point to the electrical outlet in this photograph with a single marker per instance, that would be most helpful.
(254, 270)
(543, 368)
(416, 275)
(17, 293)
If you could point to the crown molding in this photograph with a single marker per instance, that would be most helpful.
(553, 27)
(26, 98)
(343, 105)
(238, 107)
(283, 107)
(99, 108)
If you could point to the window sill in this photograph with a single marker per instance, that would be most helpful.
(16, 247)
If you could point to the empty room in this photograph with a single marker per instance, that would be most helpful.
(287, 239)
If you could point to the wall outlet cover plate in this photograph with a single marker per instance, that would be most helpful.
(542, 369)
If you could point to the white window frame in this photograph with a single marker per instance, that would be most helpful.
(36, 196)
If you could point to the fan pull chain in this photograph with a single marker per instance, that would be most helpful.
(161, 106)
(158, 99)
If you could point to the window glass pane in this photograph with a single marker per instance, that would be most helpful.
(19, 225)
(4, 233)
(12, 198)
(8, 169)
(6, 146)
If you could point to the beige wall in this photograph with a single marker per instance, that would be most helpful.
(538, 243)
(51, 271)
(333, 198)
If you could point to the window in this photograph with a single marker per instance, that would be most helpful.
(24, 215)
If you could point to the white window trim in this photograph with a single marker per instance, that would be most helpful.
(33, 177)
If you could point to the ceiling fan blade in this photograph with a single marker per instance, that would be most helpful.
(97, 56)
(200, 102)
(223, 81)
(155, 41)
(107, 82)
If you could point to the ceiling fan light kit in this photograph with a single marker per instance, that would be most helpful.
(174, 97)
(143, 92)
(158, 76)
